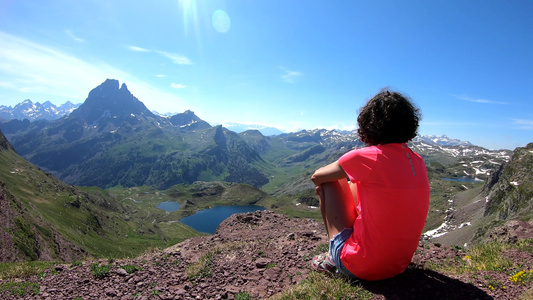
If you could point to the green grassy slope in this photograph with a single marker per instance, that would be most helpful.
(93, 219)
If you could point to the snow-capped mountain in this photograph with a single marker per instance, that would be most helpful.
(36, 111)
(443, 140)
(463, 159)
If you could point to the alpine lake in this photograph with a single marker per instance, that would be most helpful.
(200, 207)
(207, 220)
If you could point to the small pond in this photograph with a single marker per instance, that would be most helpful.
(207, 220)
(462, 179)
(169, 206)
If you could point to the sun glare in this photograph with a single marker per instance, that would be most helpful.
(188, 9)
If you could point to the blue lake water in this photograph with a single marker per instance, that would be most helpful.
(462, 179)
(169, 206)
(207, 220)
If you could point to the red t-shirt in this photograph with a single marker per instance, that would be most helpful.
(393, 200)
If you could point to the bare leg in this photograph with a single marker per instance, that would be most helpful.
(337, 205)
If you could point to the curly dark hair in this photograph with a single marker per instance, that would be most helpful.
(388, 117)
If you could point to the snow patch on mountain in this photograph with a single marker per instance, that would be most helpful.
(36, 111)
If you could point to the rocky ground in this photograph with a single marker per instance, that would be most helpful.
(258, 254)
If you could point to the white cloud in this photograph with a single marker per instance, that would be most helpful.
(290, 76)
(28, 70)
(176, 58)
(177, 85)
(137, 49)
(523, 124)
(74, 37)
(478, 100)
(160, 75)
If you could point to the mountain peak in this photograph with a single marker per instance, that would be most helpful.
(108, 101)
(189, 120)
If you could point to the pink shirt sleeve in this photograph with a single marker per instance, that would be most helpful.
(358, 163)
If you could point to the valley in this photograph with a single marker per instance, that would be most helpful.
(116, 162)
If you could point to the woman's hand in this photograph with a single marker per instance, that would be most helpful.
(318, 191)
(329, 173)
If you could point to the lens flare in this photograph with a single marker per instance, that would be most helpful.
(221, 21)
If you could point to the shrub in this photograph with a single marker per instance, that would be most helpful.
(131, 268)
(100, 271)
(242, 296)
(202, 268)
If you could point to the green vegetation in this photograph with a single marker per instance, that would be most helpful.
(482, 257)
(100, 271)
(202, 268)
(11, 270)
(20, 289)
(131, 268)
(242, 296)
(522, 277)
(322, 286)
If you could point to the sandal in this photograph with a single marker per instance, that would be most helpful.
(324, 263)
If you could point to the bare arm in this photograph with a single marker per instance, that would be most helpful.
(329, 173)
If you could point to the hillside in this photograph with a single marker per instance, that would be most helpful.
(25, 234)
(263, 255)
(43, 218)
(506, 195)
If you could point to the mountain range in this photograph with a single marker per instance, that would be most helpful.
(48, 111)
(36, 111)
(113, 140)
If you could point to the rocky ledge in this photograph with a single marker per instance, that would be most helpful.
(260, 254)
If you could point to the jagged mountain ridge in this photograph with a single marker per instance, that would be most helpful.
(466, 160)
(113, 139)
(109, 103)
(48, 111)
(36, 111)
(443, 140)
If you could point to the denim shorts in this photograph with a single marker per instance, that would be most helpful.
(335, 249)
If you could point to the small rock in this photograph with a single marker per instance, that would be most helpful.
(111, 292)
(122, 272)
(262, 262)
(290, 236)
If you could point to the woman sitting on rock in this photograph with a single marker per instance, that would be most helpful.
(375, 220)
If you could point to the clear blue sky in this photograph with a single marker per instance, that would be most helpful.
(289, 64)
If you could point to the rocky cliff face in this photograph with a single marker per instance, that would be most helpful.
(109, 103)
(509, 192)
